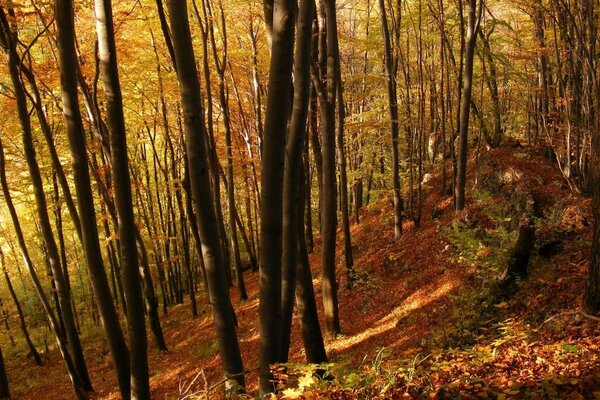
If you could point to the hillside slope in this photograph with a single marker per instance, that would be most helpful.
(426, 318)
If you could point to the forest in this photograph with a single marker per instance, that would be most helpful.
(300, 199)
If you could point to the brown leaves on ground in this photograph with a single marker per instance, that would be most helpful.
(403, 300)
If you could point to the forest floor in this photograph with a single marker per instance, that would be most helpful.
(425, 318)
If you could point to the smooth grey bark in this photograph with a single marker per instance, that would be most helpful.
(283, 18)
(109, 74)
(292, 180)
(85, 199)
(473, 26)
(197, 154)
(394, 123)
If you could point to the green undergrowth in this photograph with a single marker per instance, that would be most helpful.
(518, 363)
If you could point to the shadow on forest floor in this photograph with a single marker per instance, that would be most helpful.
(428, 300)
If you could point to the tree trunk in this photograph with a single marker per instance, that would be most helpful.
(591, 296)
(393, 109)
(308, 316)
(127, 230)
(63, 294)
(327, 99)
(4, 390)
(85, 198)
(465, 106)
(195, 137)
(271, 204)
(292, 202)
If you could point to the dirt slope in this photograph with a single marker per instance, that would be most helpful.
(429, 300)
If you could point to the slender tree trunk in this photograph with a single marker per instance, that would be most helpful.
(341, 156)
(85, 198)
(467, 87)
(195, 136)
(276, 118)
(136, 326)
(308, 316)
(327, 96)
(63, 294)
(292, 202)
(591, 297)
(30, 345)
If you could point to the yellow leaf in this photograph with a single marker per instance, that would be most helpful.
(292, 393)
(306, 381)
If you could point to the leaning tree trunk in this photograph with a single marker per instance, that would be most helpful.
(271, 204)
(197, 154)
(85, 198)
(63, 294)
(36, 356)
(140, 388)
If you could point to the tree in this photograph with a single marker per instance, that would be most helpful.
(271, 204)
(473, 25)
(197, 155)
(591, 296)
(82, 383)
(327, 94)
(390, 73)
(85, 198)
(292, 201)
(109, 74)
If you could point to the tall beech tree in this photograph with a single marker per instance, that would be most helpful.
(292, 200)
(473, 25)
(109, 73)
(327, 95)
(280, 16)
(591, 296)
(391, 68)
(197, 155)
(85, 199)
